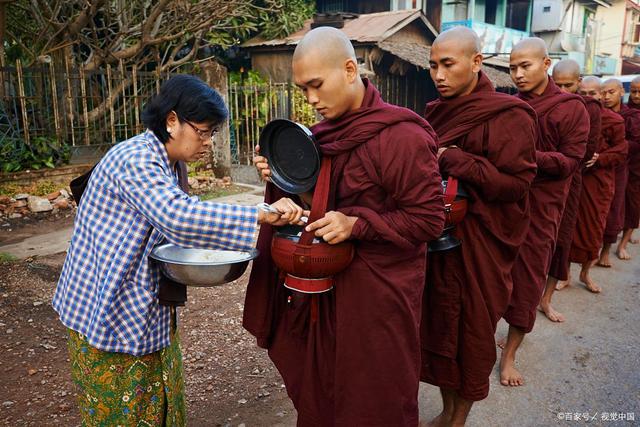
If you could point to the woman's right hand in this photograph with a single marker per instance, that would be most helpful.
(262, 165)
(289, 213)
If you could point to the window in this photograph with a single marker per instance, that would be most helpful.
(546, 9)
(517, 14)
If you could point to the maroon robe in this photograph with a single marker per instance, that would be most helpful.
(632, 104)
(563, 131)
(559, 268)
(598, 188)
(468, 288)
(357, 363)
(631, 118)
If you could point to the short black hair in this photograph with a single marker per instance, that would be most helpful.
(190, 98)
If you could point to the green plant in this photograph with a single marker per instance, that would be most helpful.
(5, 257)
(42, 152)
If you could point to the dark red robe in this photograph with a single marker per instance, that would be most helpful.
(563, 131)
(632, 104)
(631, 118)
(559, 267)
(358, 362)
(598, 188)
(468, 288)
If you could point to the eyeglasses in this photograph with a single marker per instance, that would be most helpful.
(203, 134)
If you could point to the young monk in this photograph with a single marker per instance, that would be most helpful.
(563, 130)
(566, 74)
(356, 362)
(468, 288)
(634, 94)
(598, 185)
(612, 95)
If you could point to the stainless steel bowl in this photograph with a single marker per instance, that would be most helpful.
(201, 267)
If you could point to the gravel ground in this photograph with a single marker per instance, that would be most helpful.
(587, 365)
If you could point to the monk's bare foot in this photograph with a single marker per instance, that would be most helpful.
(623, 254)
(442, 420)
(509, 375)
(563, 284)
(501, 342)
(603, 261)
(553, 315)
(590, 284)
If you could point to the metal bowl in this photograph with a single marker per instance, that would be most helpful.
(201, 267)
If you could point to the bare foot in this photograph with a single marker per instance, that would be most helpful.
(623, 254)
(501, 342)
(590, 284)
(553, 315)
(603, 261)
(563, 284)
(441, 420)
(509, 375)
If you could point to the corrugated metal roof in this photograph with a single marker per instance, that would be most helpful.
(418, 55)
(372, 28)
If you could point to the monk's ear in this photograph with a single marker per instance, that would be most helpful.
(476, 62)
(351, 68)
(547, 63)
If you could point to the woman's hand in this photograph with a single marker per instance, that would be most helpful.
(262, 165)
(289, 213)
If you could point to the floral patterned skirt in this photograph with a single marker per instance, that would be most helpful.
(121, 389)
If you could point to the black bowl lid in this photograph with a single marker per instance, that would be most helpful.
(292, 154)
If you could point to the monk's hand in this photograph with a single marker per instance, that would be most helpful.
(443, 149)
(592, 161)
(261, 165)
(288, 213)
(334, 227)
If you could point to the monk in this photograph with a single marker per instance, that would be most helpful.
(351, 356)
(598, 185)
(634, 94)
(612, 94)
(566, 75)
(468, 288)
(563, 130)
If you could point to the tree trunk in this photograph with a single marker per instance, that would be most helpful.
(215, 75)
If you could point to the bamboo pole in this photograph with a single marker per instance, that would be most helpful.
(110, 100)
(54, 95)
(23, 104)
(69, 98)
(236, 126)
(124, 94)
(136, 101)
(85, 108)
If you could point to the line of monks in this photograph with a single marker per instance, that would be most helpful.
(553, 177)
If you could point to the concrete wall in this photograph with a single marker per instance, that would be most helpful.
(610, 34)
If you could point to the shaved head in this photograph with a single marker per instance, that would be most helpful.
(566, 74)
(612, 83)
(465, 37)
(590, 86)
(331, 43)
(567, 67)
(455, 62)
(529, 63)
(612, 94)
(531, 45)
(325, 68)
(634, 91)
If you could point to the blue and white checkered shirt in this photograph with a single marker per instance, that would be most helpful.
(108, 289)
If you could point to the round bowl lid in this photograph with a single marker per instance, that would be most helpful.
(293, 155)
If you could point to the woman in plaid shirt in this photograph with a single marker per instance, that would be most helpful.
(123, 344)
